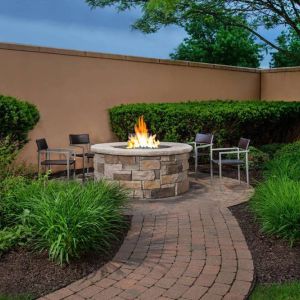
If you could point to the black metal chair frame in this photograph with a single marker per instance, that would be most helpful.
(82, 141)
(243, 147)
(203, 141)
(43, 149)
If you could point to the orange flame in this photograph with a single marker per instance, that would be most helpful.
(141, 138)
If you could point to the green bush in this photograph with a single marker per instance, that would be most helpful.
(271, 149)
(286, 162)
(17, 118)
(262, 122)
(8, 154)
(277, 206)
(65, 218)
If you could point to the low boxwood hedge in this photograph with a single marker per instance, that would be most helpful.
(17, 118)
(263, 122)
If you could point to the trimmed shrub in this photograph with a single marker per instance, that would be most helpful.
(17, 118)
(277, 206)
(263, 122)
(65, 218)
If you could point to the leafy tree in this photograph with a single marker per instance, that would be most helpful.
(289, 41)
(212, 42)
(267, 13)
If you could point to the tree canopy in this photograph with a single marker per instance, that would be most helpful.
(212, 42)
(289, 41)
(231, 13)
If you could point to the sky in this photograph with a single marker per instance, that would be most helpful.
(72, 24)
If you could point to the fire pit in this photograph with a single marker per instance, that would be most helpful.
(148, 168)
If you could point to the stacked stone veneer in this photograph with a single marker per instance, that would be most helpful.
(146, 176)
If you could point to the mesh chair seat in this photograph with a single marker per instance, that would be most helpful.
(58, 162)
(88, 155)
(232, 162)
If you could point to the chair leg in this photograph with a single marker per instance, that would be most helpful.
(88, 164)
(247, 172)
(239, 173)
(196, 162)
(220, 171)
(74, 171)
(211, 170)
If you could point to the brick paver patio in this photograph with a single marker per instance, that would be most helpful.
(188, 247)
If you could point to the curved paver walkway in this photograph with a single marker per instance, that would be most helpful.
(188, 247)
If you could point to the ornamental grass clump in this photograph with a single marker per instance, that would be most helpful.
(67, 219)
(276, 204)
(276, 201)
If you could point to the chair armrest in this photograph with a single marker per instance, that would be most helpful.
(234, 152)
(238, 152)
(204, 146)
(64, 151)
(225, 149)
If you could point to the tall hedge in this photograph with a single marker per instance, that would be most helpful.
(17, 118)
(263, 122)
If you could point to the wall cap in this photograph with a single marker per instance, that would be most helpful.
(59, 51)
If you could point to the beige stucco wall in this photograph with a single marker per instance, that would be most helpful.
(73, 89)
(281, 84)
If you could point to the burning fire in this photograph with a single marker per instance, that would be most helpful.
(141, 138)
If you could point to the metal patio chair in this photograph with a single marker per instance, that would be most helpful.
(45, 159)
(202, 141)
(82, 141)
(242, 148)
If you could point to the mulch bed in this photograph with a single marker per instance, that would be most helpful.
(25, 272)
(274, 260)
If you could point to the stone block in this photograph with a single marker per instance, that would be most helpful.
(122, 175)
(110, 169)
(111, 159)
(183, 156)
(100, 167)
(168, 158)
(143, 175)
(174, 168)
(183, 186)
(138, 194)
(157, 174)
(150, 164)
(99, 158)
(127, 160)
(163, 193)
(185, 165)
(150, 158)
(168, 185)
(131, 184)
(151, 184)
(166, 179)
(135, 167)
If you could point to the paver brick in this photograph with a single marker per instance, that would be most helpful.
(189, 248)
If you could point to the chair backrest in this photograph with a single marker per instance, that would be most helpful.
(204, 138)
(244, 143)
(41, 144)
(76, 139)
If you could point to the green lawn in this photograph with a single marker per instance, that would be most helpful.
(286, 291)
(20, 297)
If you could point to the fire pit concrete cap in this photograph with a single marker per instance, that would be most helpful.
(118, 148)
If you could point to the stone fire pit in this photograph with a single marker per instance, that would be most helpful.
(148, 173)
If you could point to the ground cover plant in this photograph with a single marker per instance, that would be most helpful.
(262, 122)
